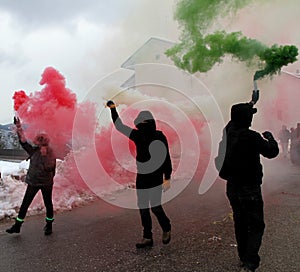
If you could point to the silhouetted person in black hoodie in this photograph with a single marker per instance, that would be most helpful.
(154, 170)
(238, 162)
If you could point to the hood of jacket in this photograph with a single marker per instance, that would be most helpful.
(242, 115)
(145, 122)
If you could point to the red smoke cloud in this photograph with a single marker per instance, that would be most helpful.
(53, 110)
(55, 89)
(20, 98)
(115, 150)
(50, 110)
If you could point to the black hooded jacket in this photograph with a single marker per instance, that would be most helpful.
(152, 150)
(238, 160)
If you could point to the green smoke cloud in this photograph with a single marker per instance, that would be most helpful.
(199, 51)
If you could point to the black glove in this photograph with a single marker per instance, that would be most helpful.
(255, 97)
(110, 104)
(17, 122)
(268, 135)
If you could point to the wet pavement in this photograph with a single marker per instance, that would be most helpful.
(101, 237)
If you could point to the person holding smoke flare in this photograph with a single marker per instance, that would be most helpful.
(154, 170)
(238, 162)
(39, 177)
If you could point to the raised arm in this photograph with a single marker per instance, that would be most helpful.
(19, 130)
(26, 146)
(126, 130)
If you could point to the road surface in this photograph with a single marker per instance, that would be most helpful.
(101, 237)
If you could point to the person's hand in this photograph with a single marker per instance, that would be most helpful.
(110, 104)
(268, 135)
(43, 150)
(166, 185)
(17, 122)
(255, 97)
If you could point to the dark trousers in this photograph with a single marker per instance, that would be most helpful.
(151, 198)
(30, 193)
(248, 215)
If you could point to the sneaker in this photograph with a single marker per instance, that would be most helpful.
(166, 237)
(145, 243)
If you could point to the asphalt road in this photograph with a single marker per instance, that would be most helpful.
(101, 237)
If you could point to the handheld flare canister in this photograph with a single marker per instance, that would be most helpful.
(255, 94)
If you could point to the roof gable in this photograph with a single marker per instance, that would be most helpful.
(152, 51)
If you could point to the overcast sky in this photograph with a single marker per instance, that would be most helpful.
(84, 40)
(88, 39)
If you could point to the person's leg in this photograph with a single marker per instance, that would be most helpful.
(240, 225)
(256, 226)
(143, 204)
(27, 199)
(157, 209)
(47, 197)
(30, 193)
(146, 223)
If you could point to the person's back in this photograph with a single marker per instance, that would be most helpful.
(244, 147)
(152, 151)
(152, 156)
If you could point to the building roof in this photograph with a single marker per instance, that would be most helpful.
(296, 75)
(152, 51)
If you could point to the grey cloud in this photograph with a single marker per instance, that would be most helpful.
(10, 59)
(37, 13)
